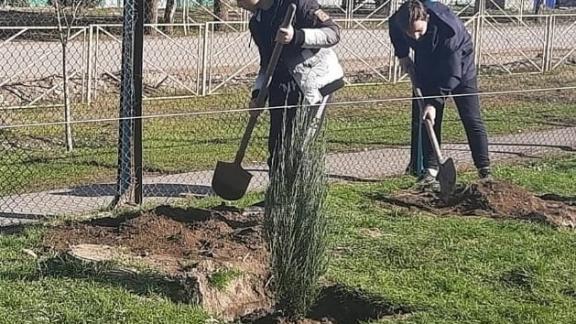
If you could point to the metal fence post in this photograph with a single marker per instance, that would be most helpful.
(478, 26)
(548, 43)
(137, 66)
(95, 65)
(84, 92)
(205, 58)
(479, 12)
(185, 16)
(349, 12)
(480, 7)
(393, 62)
(521, 13)
(199, 51)
(89, 63)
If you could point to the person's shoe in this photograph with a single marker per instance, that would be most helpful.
(485, 173)
(429, 182)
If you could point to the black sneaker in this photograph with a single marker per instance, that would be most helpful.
(485, 173)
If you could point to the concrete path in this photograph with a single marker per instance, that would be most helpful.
(359, 48)
(361, 166)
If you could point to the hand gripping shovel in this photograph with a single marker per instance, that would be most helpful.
(230, 180)
(447, 172)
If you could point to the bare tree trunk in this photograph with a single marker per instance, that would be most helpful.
(67, 108)
(169, 15)
(221, 11)
(64, 29)
(150, 15)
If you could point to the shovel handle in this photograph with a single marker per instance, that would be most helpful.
(418, 93)
(420, 102)
(419, 159)
(245, 139)
(263, 93)
(433, 139)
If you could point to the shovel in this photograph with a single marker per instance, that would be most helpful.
(230, 180)
(447, 171)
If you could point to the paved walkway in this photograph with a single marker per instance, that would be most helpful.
(361, 166)
(40, 59)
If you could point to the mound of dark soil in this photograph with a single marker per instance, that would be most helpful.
(218, 256)
(168, 231)
(494, 199)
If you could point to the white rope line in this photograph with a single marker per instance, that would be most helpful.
(227, 111)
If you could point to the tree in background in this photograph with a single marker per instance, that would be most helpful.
(150, 14)
(67, 15)
(221, 11)
(169, 13)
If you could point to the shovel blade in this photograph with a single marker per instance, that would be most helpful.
(447, 178)
(230, 180)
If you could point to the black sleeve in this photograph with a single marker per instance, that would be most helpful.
(451, 73)
(437, 96)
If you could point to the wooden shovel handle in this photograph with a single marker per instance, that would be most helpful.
(261, 98)
(433, 139)
(263, 93)
(245, 139)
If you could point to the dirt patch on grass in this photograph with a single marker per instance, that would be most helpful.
(218, 256)
(493, 199)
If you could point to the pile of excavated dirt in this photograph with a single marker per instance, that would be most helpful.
(218, 256)
(494, 199)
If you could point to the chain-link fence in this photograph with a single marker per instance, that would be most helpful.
(196, 81)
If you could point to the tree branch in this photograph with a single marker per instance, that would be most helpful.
(59, 13)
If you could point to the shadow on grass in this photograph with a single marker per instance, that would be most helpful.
(141, 283)
(564, 199)
(14, 223)
(340, 304)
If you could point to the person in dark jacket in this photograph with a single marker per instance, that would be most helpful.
(443, 65)
(308, 70)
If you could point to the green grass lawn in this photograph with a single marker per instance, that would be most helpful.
(28, 297)
(460, 270)
(445, 269)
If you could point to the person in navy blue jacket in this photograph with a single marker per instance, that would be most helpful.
(308, 70)
(443, 65)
